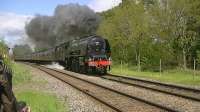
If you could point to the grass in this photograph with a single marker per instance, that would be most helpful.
(21, 74)
(41, 102)
(37, 100)
(177, 76)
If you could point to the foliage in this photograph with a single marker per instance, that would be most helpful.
(21, 50)
(4, 52)
(143, 32)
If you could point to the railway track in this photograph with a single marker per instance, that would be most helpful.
(179, 91)
(116, 100)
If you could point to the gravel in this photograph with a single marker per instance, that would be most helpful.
(120, 102)
(161, 98)
(170, 89)
(73, 99)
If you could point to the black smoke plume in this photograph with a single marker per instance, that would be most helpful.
(40, 31)
(71, 21)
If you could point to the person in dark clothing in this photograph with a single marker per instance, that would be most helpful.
(7, 99)
(23, 107)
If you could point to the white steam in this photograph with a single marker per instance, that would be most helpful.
(56, 66)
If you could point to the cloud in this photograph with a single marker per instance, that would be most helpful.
(12, 27)
(103, 5)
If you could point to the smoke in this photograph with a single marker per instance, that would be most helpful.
(40, 31)
(74, 21)
(69, 22)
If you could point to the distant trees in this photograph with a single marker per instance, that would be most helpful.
(21, 50)
(4, 52)
(146, 32)
(3, 47)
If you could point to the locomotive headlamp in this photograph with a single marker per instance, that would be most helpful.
(110, 59)
(89, 59)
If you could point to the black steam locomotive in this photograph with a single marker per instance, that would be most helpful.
(84, 55)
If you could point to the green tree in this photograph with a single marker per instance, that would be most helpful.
(147, 31)
(21, 50)
(4, 51)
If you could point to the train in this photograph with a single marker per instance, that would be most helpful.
(86, 55)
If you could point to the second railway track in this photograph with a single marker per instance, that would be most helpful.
(180, 91)
(118, 101)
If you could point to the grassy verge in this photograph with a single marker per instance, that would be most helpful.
(176, 76)
(37, 100)
(21, 74)
(40, 102)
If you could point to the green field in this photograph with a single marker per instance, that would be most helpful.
(37, 100)
(177, 76)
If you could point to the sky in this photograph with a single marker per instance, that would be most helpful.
(14, 14)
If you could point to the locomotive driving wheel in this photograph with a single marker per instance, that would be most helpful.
(77, 66)
(103, 70)
(74, 66)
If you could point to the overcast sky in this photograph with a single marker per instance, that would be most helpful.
(14, 14)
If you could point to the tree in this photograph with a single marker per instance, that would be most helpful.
(21, 50)
(4, 50)
(147, 31)
(184, 36)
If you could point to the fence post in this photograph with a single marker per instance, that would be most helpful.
(121, 67)
(160, 66)
(194, 68)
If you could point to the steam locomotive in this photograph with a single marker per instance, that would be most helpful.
(90, 54)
